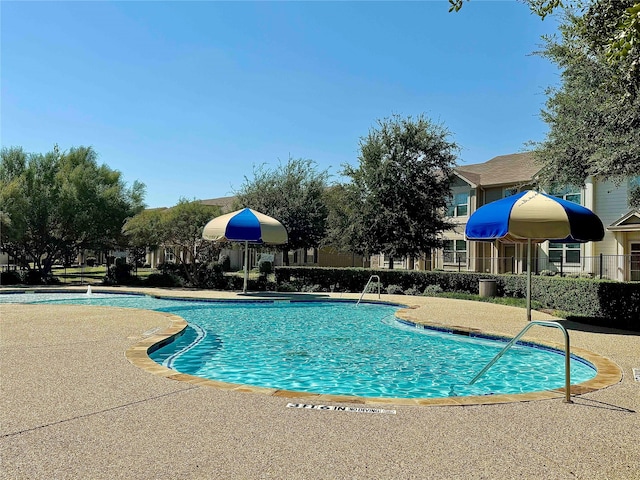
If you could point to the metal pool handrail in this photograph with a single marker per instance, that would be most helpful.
(567, 355)
(367, 286)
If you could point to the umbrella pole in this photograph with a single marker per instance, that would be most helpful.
(246, 266)
(528, 279)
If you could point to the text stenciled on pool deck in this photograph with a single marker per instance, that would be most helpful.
(337, 408)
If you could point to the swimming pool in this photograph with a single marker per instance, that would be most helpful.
(336, 348)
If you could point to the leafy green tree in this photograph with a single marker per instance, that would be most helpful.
(343, 228)
(594, 124)
(292, 193)
(610, 27)
(183, 225)
(178, 228)
(401, 187)
(61, 202)
(144, 231)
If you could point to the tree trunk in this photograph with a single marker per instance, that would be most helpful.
(390, 263)
(412, 263)
(285, 256)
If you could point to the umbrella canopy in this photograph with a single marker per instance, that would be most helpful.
(246, 226)
(536, 216)
(531, 217)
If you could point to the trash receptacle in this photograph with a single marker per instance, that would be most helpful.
(487, 287)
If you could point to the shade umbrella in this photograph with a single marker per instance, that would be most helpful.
(533, 217)
(246, 226)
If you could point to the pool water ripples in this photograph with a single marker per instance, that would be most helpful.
(341, 349)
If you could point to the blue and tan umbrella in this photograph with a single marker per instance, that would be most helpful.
(532, 217)
(247, 226)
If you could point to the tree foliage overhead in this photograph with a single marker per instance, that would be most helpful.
(178, 228)
(594, 122)
(292, 193)
(402, 186)
(612, 28)
(343, 228)
(58, 203)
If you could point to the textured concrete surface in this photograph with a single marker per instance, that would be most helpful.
(73, 407)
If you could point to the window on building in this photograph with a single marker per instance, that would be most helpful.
(310, 255)
(460, 205)
(564, 252)
(169, 256)
(455, 251)
(510, 191)
(570, 193)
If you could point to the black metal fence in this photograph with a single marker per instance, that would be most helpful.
(612, 267)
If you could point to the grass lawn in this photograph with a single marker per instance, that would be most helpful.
(90, 274)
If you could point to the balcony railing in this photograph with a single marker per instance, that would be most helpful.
(612, 267)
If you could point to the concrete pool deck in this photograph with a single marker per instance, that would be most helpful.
(73, 406)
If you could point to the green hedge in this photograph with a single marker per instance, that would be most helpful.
(328, 279)
(614, 304)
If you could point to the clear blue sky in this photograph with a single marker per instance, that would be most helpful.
(187, 97)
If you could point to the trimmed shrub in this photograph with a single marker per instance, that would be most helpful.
(210, 276)
(166, 280)
(286, 287)
(32, 277)
(311, 288)
(432, 290)
(375, 287)
(10, 277)
(412, 291)
(618, 303)
(265, 267)
(235, 282)
(120, 274)
(394, 290)
(225, 263)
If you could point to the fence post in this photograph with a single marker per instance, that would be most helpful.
(459, 264)
(561, 264)
(601, 266)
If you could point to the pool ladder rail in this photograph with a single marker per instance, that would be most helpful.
(367, 286)
(567, 355)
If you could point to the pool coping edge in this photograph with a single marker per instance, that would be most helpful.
(608, 373)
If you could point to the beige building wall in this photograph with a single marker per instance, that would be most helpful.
(610, 203)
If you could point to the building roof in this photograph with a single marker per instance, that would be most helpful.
(503, 170)
(628, 222)
(225, 203)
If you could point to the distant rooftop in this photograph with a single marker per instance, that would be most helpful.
(503, 170)
(225, 203)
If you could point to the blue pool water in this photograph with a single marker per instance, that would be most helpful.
(336, 348)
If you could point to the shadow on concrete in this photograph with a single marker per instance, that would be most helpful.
(588, 402)
(287, 296)
(578, 324)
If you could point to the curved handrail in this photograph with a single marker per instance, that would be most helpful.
(567, 354)
(367, 286)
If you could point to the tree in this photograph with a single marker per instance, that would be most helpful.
(61, 202)
(183, 225)
(292, 193)
(344, 231)
(594, 124)
(402, 186)
(612, 27)
(144, 231)
(178, 228)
